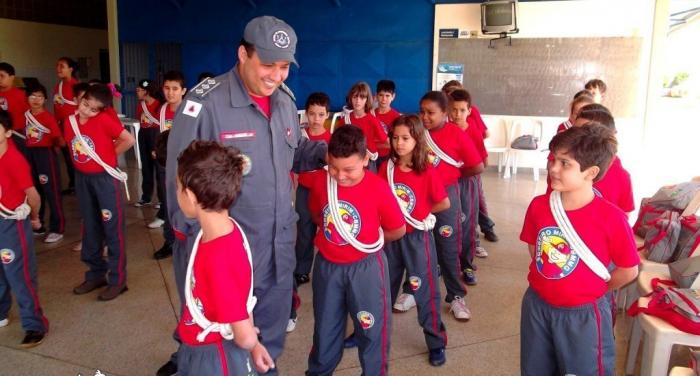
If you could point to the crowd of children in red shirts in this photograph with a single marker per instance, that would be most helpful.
(407, 185)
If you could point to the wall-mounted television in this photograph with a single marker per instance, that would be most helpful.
(499, 17)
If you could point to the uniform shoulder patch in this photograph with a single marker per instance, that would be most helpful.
(205, 87)
(289, 92)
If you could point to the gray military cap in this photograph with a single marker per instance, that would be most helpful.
(274, 39)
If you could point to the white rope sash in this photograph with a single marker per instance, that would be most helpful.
(332, 191)
(20, 213)
(441, 154)
(112, 171)
(148, 114)
(224, 329)
(574, 239)
(426, 224)
(62, 98)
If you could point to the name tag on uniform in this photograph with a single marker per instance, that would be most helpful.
(242, 135)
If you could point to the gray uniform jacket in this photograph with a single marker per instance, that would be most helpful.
(220, 109)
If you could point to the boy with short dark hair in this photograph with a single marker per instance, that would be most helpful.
(42, 136)
(357, 212)
(173, 90)
(13, 100)
(386, 93)
(597, 88)
(216, 326)
(573, 236)
(18, 200)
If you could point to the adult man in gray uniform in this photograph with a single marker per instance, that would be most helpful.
(251, 109)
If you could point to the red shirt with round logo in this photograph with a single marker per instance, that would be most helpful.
(557, 274)
(169, 116)
(371, 127)
(15, 102)
(455, 143)
(221, 282)
(306, 178)
(153, 109)
(61, 109)
(15, 177)
(418, 193)
(363, 208)
(386, 120)
(37, 137)
(99, 132)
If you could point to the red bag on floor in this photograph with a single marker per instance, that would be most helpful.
(647, 213)
(665, 304)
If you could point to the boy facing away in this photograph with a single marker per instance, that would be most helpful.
(216, 327)
(566, 320)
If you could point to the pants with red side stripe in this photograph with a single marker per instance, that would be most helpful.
(47, 179)
(18, 274)
(360, 289)
(415, 253)
(448, 243)
(223, 358)
(469, 200)
(102, 209)
(566, 340)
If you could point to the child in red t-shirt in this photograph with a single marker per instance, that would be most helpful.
(470, 186)
(18, 200)
(566, 325)
(386, 93)
(147, 112)
(581, 99)
(453, 155)
(358, 112)
(216, 328)
(43, 136)
(356, 212)
(13, 100)
(173, 90)
(95, 139)
(65, 103)
(419, 191)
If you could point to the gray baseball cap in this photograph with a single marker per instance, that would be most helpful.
(273, 39)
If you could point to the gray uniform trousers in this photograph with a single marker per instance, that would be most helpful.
(306, 230)
(47, 180)
(360, 289)
(223, 358)
(566, 340)
(18, 274)
(415, 253)
(469, 199)
(102, 210)
(448, 235)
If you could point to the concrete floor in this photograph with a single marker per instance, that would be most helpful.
(132, 334)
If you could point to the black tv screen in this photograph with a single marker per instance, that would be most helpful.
(499, 14)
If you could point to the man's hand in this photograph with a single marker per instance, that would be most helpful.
(261, 358)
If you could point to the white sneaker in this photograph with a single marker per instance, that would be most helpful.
(156, 223)
(78, 247)
(53, 237)
(404, 302)
(481, 252)
(4, 322)
(459, 309)
(291, 325)
(157, 206)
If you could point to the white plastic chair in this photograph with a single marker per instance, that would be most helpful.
(498, 142)
(519, 128)
(681, 371)
(334, 119)
(302, 116)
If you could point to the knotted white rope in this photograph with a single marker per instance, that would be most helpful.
(441, 154)
(224, 329)
(427, 224)
(20, 213)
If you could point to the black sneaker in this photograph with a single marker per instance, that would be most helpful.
(350, 342)
(491, 236)
(32, 338)
(469, 277)
(301, 279)
(40, 231)
(167, 369)
(141, 203)
(164, 252)
(436, 357)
